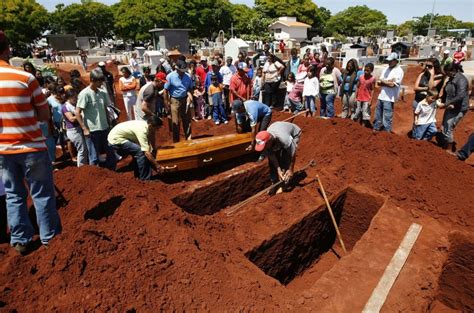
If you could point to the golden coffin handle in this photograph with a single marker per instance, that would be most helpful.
(207, 160)
(171, 167)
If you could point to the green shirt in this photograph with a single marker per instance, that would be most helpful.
(94, 108)
(134, 131)
(446, 61)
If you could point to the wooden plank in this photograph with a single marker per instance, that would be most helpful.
(380, 293)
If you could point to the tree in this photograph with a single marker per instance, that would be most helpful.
(353, 21)
(134, 18)
(249, 23)
(305, 11)
(23, 22)
(321, 20)
(421, 24)
(88, 18)
(406, 28)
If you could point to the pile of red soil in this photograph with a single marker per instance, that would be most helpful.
(127, 246)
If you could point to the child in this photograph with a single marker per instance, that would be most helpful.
(257, 84)
(310, 91)
(364, 93)
(290, 82)
(216, 91)
(296, 94)
(199, 102)
(425, 117)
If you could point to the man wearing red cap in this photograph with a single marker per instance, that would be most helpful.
(148, 97)
(25, 163)
(279, 143)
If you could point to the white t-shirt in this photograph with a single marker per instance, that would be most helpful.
(227, 72)
(289, 86)
(128, 81)
(391, 93)
(311, 87)
(134, 65)
(426, 112)
(272, 71)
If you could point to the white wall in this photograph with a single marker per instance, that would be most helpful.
(297, 33)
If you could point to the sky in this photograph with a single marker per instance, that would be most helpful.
(397, 11)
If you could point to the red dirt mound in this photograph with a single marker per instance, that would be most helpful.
(126, 246)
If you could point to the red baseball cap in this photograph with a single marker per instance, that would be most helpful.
(161, 76)
(261, 140)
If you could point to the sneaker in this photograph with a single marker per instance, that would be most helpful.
(226, 122)
(217, 122)
(21, 248)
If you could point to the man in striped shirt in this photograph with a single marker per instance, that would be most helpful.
(23, 155)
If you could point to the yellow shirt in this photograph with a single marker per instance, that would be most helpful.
(134, 131)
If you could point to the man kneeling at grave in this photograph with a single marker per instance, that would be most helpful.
(279, 144)
(251, 116)
(137, 138)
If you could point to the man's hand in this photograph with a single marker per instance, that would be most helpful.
(159, 170)
(86, 131)
(281, 174)
(288, 176)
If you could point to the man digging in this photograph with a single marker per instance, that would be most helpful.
(279, 143)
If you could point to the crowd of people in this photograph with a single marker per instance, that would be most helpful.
(83, 119)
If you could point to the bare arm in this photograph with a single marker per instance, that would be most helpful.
(417, 84)
(80, 120)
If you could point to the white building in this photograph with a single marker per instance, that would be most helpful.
(234, 46)
(288, 28)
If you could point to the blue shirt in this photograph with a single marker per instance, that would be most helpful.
(178, 87)
(56, 109)
(294, 63)
(208, 81)
(255, 111)
(348, 80)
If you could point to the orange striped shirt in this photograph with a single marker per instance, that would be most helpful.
(20, 93)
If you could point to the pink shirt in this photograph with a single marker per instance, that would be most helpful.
(297, 92)
(366, 86)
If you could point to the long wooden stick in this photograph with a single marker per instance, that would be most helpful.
(236, 207)
(293, 117)
(332, 215)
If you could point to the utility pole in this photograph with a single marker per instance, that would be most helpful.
(232, 30)
(432, 14)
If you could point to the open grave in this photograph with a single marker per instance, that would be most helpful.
(311, 242)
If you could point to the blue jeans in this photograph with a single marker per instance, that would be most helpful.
(34, 168)
(467, 149)
(101, 154)
(451, 119)
(310, 104)
(218, 112)
(141, 165)
(327, 105)
(383, 115)
(425, 132)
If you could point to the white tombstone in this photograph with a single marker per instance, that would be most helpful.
(140, 51)
(234, 46)
(152, 58)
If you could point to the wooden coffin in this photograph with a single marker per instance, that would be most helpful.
(196, 153)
